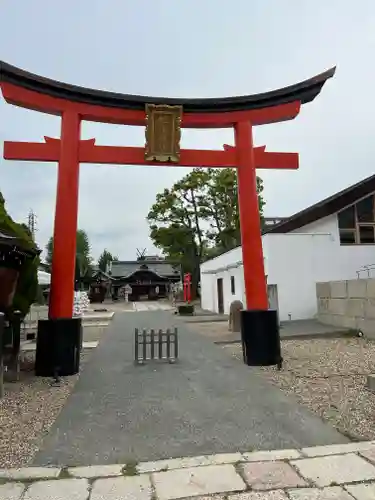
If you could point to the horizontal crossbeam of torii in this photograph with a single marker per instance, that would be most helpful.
(121, 155)
(75, 104)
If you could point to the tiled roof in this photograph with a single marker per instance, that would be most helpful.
(126, 268)
(6, 239)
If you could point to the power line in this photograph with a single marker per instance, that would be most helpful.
(32, 223)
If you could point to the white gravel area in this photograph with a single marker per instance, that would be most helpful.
(28, 410)
(329, 377)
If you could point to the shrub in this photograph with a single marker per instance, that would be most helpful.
(186, 310)
(27, 284)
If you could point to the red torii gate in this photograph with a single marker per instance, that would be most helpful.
(163, 118)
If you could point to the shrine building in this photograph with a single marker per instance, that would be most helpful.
(332, 240)
(147, 279)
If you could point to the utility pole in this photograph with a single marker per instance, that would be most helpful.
(32, 223)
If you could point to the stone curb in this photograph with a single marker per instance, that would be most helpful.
(333, 472)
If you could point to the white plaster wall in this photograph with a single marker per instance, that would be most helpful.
(207, 291)
(294, 262)
(223, 261)
(344, 260)
(224, 266)
(293, 265)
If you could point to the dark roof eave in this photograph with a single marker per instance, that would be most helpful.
(325, 207)
(8, 240)
(304, 92)
(164, 276)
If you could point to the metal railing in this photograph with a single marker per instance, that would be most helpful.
(366, 269)
(152, 345)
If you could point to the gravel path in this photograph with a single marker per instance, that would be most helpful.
(329, 377)
(27, 411)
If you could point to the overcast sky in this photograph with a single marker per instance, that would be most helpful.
(191, 48)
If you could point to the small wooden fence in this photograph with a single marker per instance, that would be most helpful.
(153, 345)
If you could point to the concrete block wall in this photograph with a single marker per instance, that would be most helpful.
(348, 304)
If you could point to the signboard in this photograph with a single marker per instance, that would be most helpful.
(163, 133)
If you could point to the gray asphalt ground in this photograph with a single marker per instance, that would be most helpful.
(206, 403)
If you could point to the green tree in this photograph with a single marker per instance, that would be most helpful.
(176, 225)
(198, 217)
(219, 207)
(83, 250)
(104, 259)
(27, 283)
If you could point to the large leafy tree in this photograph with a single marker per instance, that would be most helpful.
(83, 251)
(176, 226)
(219, 207)
(198, 217)
(105, 258)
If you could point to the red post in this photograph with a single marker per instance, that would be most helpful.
(65, 230)
(188, 287)
(251, 239)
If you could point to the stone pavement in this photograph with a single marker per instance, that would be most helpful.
(336, 472)
(290, 330)
(206, 403)
(139, 306)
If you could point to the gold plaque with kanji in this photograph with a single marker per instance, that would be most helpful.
(163, 133)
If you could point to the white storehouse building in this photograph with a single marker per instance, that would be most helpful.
(331, 240)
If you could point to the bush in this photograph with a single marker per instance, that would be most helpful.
(186, 310)
(27, 284)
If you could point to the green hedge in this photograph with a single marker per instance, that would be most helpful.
(27, 284)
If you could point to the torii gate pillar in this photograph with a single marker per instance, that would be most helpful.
(164, 118)
(66, 214)
(252, 251)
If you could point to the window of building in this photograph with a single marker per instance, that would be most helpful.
(357, 223)
(232, 285)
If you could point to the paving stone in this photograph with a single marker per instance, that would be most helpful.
(93, 471)
(62, 489)
(197, 481)
(330, 493)
(11, 491)
(209, 497)
(362, 491)
(187, 462)
(90, 345)
(335, 469)
(271, 476)
(257, 495)
(25, 473)
(369, 454)
(122, 488)
(337, 449)
(263, 456)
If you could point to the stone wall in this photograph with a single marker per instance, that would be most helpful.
(348, 304)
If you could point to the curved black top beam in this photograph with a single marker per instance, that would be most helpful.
(304, 92)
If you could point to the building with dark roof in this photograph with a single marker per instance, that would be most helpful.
(147, 278)
(331, 240)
